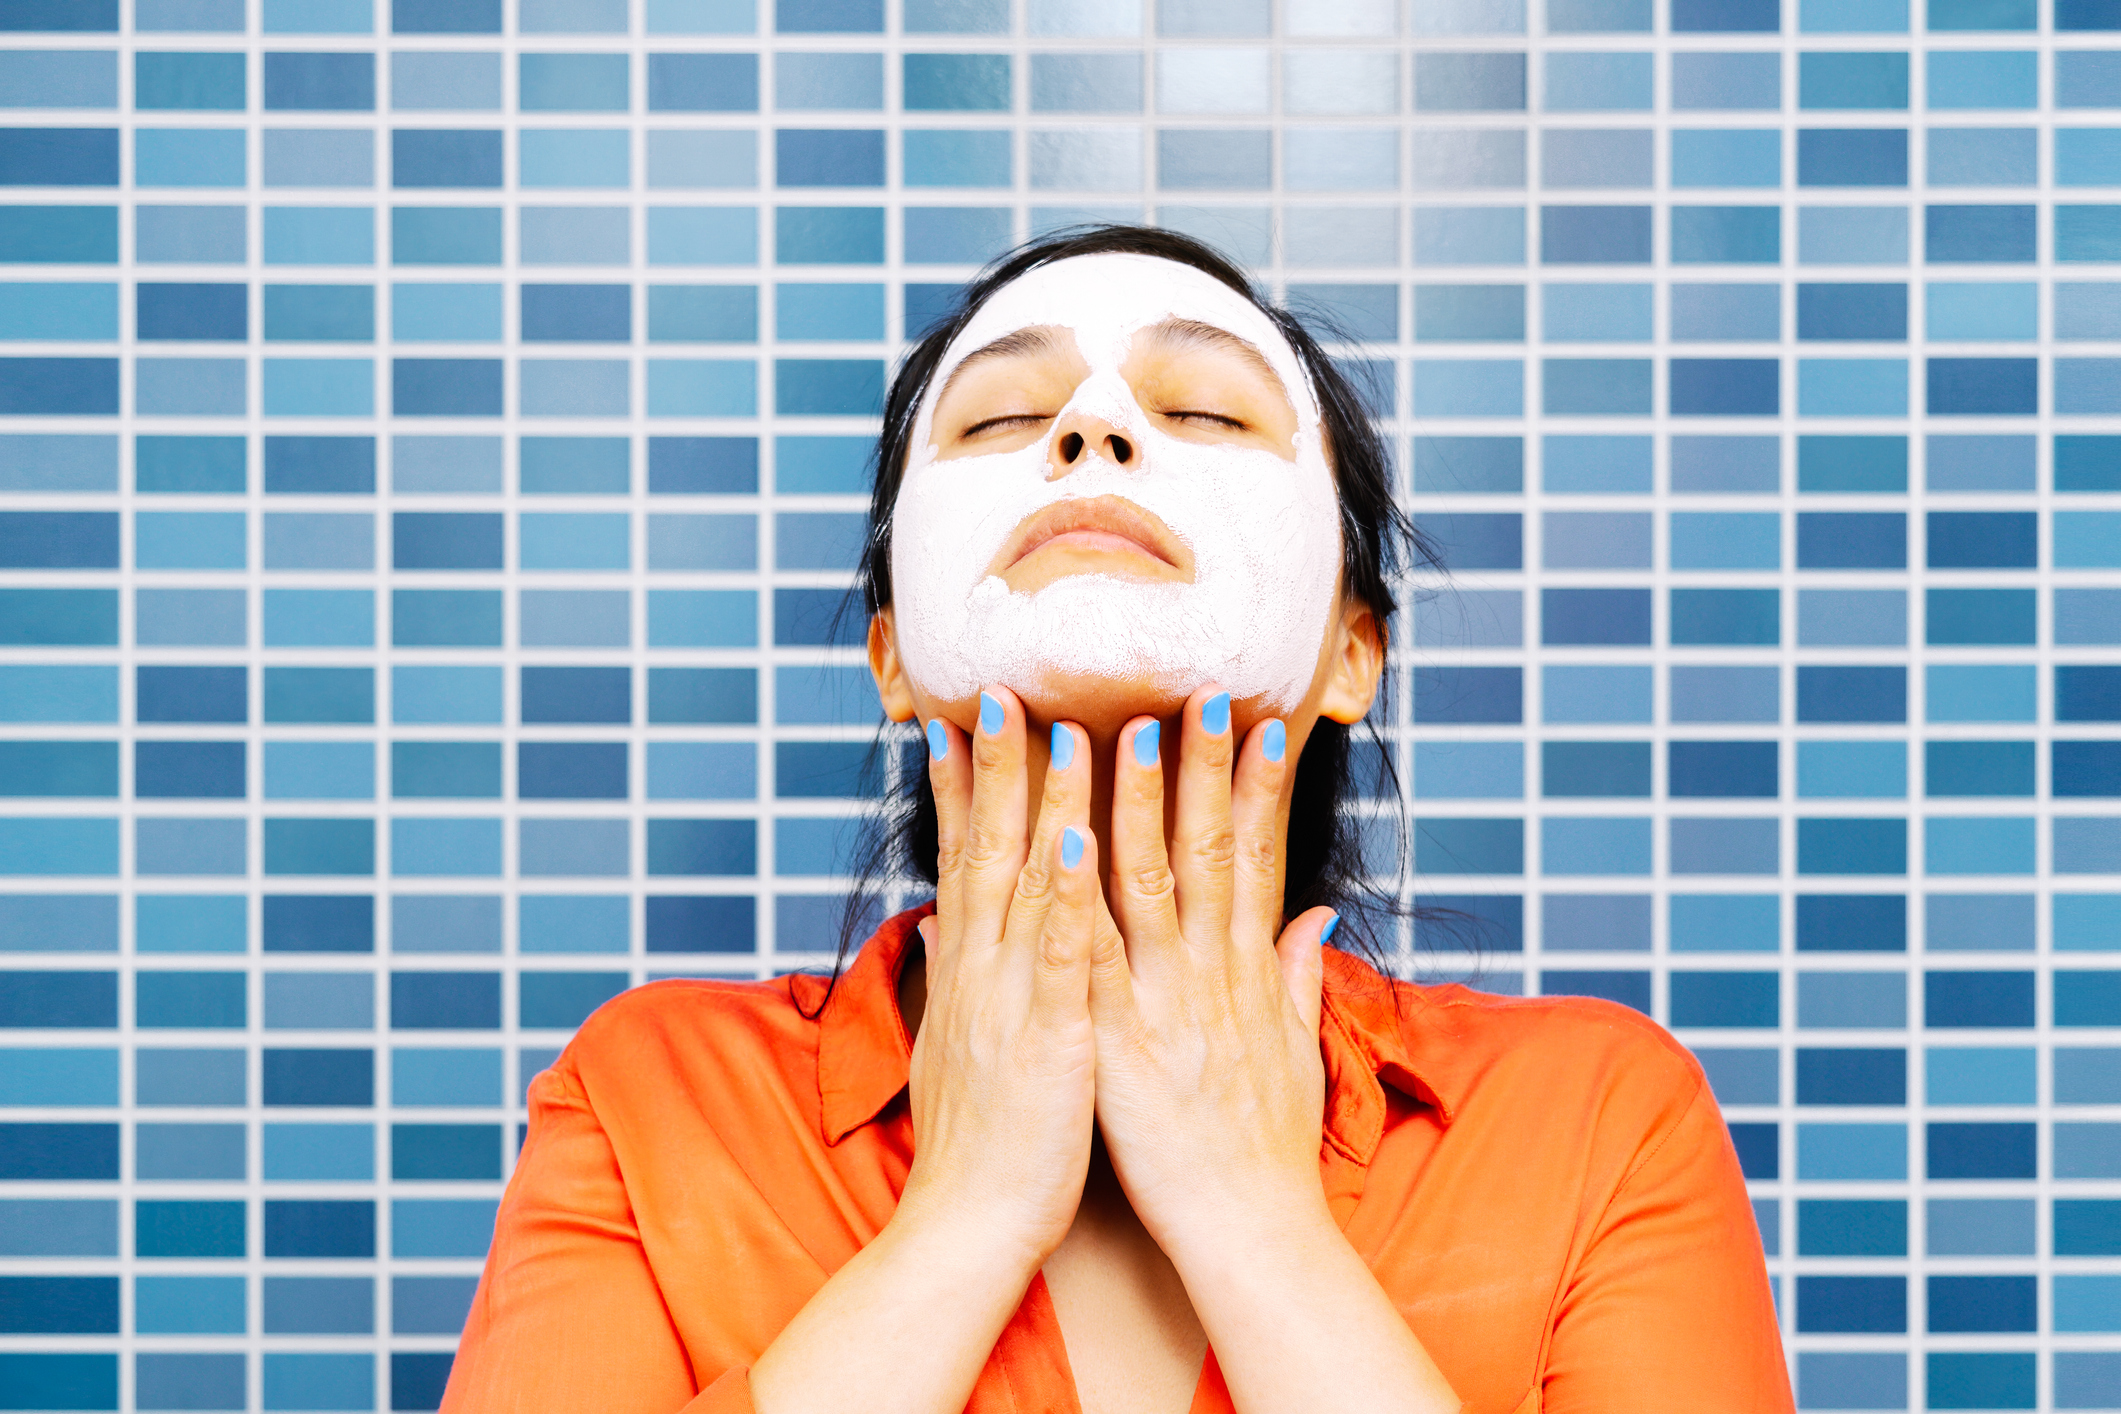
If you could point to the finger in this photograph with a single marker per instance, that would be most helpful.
(997, 821)
(1064, 803)
(1112, 1002)
(950, 780)
(1301, 952)
(1141, 892)
(1201, 838)
(1255, 826)
(1060, 992)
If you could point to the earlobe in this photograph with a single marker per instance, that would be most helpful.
(884, 666)
(1358, 664)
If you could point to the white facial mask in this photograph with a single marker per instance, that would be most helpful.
(1264, 532)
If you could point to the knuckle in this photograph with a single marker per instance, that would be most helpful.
(983, 847)
(1035, 884)
(1214, 850)
(1149, 882)
(1256, 852)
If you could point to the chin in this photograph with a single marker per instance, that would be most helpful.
(1100, 705)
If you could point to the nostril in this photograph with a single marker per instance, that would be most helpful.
(1122, 450)
(1071, 446)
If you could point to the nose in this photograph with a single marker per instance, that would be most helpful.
(1082, 436)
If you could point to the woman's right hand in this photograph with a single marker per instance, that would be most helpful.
(1002, 1084)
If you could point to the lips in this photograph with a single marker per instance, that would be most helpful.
(1109, 524)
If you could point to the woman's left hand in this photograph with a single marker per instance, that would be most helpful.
(1210, 1084)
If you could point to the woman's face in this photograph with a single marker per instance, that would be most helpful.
(1116, 492)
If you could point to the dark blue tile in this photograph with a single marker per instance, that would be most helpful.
(571, 770)
(1475, 540)
(828, 387)
(1594, 616)
(2087, 1227)
(445, 770)
(191, 999)
(58, 387)
(321, 82)
(1853, 845)
(828, 235)
(1749, 999)
(40, 1153)
(1851, 540)
(67, 1000)
(811, 618)
(1966, 1304)
(1980, 616)
(56, 769)
(1851, 1305)
(1594, 768)
(1852, 1227)
(1852, 311)
(320, 1228)
(828, 157)
(577, 695)
(1977, 768)
(825, 770)
(60, 16)
(1852, 923)
(1851, 693)
(1723, 769)
(342, 695)
(58, 1305)
(1852, 464)
(188, 1229)
(445, 618)
(445, 1001)
(563, 1000)
(1477, 923)
(2087, 998)
(694, 466)
(58, 540)
(311, 466)
(1969, 1151)
(1759, 1149)
(1976, 387)
(577, 313)
(1629, 989)
(448, 540)
(703, 847)
(1726, 16)
(445, 16)
(1961, 540)
(1852, 157)
(705, 696)
(1979, 1379)
(1851, 1076)
(446, 157)
(58, 157)
(34, 1380)
(193, 312)
(59, 235)
(1725, 387)
(428, 1153)
(1726, 616)
(1981, 234)
(445, 387)
(1444, 695)
(337, 1076)
(695, 923)
(2086, 768)
(418, 1378)
(2088, 692)
(319, 923)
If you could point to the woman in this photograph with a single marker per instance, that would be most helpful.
(1108, 1127)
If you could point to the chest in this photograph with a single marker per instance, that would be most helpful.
(1133, 1342)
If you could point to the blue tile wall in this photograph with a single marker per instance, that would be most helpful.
(432, 455)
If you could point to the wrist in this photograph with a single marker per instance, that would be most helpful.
(1259, 1236)
(954, 1237)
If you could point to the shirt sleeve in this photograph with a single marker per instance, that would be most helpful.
(568, 1314)
(1669, 1311)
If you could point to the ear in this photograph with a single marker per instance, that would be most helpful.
(884, 666)
(1358, 663)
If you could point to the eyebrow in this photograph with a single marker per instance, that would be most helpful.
(1038, 339)
(1024, 342)
(1198, 333)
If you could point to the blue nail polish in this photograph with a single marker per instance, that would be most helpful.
(1215, 714)
(1063, 747)
(1145, 743)
(1325, 934)
(991, 715)
(1071, 848)
(938, 739)
(1274, 742)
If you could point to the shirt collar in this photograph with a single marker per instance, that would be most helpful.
(1372, 1032)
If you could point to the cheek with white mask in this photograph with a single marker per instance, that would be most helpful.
(1263, 530)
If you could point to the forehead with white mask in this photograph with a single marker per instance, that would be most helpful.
(1238, 531)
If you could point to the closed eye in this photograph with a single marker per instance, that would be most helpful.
(1216, 418)
(1013, 420)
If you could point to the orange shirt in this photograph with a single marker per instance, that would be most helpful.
(1544, 1186)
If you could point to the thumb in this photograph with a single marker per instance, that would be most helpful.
(1300, 951)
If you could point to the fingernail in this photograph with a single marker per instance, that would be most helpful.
(1275, 742)
(1145, 743)
(1063, 747)
(1071, 848)
(1215, 714)
(1325, 934)
(938, 739)
(991, 715)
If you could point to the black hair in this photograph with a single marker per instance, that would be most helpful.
(1379, 544)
